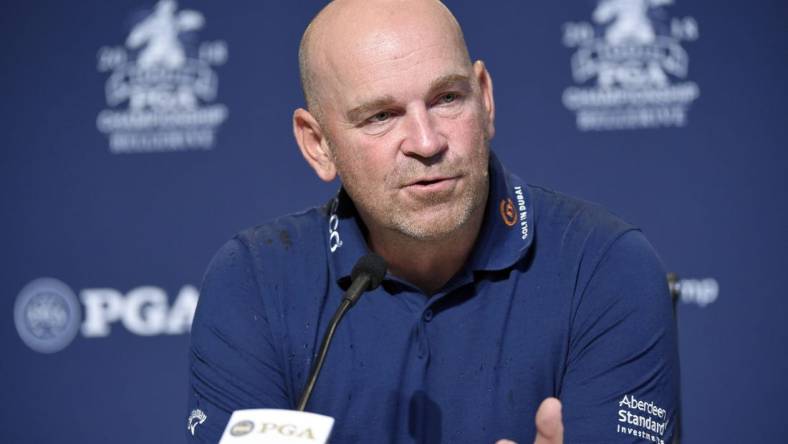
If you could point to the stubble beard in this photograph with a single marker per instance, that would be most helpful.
(445, 217)
(448, 217)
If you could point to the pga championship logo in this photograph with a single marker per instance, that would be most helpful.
(629, 66)
(48, 315)
(162, 85)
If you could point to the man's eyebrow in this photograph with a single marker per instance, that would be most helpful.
(360, 112)
(449, 80)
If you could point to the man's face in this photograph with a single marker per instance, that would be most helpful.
(407, 120)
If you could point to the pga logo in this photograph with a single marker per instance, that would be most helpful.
(275, 426)
(144, 311)
(48, 316)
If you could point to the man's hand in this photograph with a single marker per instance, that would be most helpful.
(549, 425)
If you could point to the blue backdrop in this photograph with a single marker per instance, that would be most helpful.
(139, 136)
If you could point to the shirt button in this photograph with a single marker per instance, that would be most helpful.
(427, 315)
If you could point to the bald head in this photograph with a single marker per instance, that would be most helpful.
(347, 33)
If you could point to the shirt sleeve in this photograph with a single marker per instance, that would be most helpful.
(233, 363)
(622, 376)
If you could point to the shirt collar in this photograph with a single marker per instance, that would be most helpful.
(507, 229)
(346, 236)
(504, 239)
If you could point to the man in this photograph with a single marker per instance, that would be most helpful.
(500, 296)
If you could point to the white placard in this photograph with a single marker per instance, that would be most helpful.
(273, 426)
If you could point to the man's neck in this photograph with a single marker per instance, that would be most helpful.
(427, 264)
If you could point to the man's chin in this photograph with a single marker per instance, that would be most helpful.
(432, 224)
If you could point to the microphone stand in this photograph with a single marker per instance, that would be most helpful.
(365, 280)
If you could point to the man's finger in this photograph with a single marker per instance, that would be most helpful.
(549, 424)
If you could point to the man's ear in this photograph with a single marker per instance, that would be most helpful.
(313, 144)
(486, 87)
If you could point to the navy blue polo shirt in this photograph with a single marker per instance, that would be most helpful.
(558, 298)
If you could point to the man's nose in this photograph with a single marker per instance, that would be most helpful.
(422, 138)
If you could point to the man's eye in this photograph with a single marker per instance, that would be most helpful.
(380, 117)
(448, 98)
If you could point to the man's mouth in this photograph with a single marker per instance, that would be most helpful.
(432, 184)
(426, 182)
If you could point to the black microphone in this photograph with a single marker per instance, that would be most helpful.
(367, 274)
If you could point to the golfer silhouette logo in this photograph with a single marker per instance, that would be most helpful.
(629, 21)
(158, 33)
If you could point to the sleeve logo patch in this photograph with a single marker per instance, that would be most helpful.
(196, 418)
